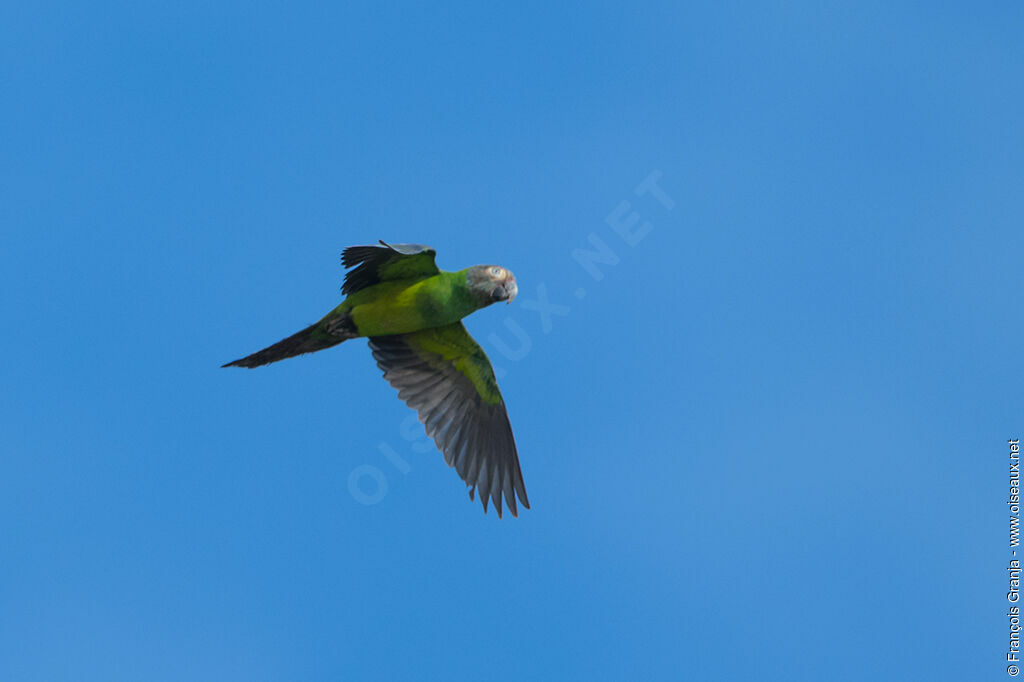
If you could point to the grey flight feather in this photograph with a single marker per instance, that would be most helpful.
(474, 436)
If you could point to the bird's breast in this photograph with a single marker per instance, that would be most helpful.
(403, 307)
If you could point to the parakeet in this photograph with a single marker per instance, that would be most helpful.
(410, 311)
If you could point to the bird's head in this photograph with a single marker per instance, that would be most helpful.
(491, 283)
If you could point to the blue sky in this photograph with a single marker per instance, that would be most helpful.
(768, 443)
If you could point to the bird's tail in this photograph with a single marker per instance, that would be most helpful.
(312, 338)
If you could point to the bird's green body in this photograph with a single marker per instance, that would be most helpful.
(411, 312)
(408, 305)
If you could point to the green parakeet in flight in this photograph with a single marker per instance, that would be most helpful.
(410, 311)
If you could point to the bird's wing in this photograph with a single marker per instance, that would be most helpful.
(374, 264)
(445, 376)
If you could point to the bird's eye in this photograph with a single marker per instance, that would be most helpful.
(496, 271)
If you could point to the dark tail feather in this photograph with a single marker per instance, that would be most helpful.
(312, 338)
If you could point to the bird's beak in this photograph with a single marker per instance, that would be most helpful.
(511, 289)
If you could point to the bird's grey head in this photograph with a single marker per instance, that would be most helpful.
(491, 283)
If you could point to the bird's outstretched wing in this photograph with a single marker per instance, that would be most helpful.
(446, 377)
(374, 264)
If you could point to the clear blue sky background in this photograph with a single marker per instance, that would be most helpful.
(768, 444)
